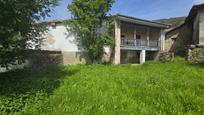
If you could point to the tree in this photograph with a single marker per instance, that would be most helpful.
(89, 17)
(17, 29)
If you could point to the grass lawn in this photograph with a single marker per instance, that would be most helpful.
(153, 88)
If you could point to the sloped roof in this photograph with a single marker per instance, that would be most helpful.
(193, 13)
(119, 17)
(141, 21)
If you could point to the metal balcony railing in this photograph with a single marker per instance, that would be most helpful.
(139, 43)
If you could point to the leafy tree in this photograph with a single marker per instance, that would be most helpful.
(89, 17)
(17, 29)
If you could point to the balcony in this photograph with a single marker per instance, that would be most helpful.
(139, 44)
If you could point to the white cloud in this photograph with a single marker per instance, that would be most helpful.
(198, 1)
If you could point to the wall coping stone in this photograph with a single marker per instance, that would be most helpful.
(194, 46)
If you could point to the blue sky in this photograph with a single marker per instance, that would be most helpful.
(144, 9)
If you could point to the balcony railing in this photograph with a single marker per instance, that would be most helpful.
(139, 43)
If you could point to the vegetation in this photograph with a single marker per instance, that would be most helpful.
(173, 21)
(17, 31)
(153, 88)
(88, 24)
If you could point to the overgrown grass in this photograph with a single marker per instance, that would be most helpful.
(153, 88)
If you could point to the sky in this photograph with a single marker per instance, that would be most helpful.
(144, 9)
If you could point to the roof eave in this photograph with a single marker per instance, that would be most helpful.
(141, 21)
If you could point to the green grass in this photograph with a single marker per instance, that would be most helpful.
(153, 88)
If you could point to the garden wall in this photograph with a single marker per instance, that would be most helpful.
(38, 59)
(164, 56)
(195, 53)
(41, 59)
(44, 58)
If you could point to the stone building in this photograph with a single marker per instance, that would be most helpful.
(188, 38)
(191, 33)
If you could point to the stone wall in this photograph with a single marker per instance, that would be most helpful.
(195, 53)
(177, 39)
(37, 59)
(42, 59)
(164, 56)
(70, 58)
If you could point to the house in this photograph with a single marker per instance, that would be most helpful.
(135, 41)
